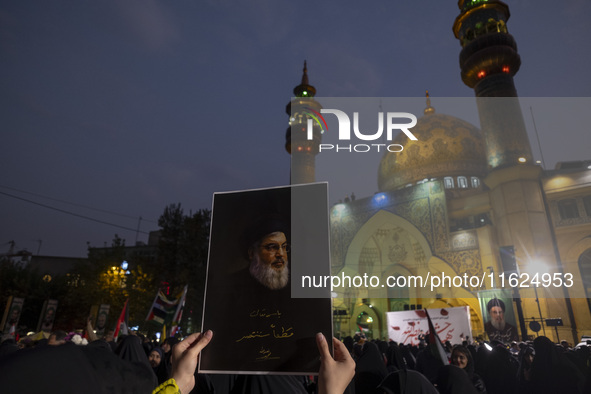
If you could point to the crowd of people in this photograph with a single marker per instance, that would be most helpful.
(533, 367)
(68, 363)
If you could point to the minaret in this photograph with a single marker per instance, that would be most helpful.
(303, 151)
(488, 61)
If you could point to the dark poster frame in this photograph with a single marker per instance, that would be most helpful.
(258, 330)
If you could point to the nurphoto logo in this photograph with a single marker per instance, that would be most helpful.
(392, 120)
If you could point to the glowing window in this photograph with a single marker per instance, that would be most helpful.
(462, 182)
(448, 182)
(475, 182)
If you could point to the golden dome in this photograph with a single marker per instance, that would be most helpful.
(445, 146)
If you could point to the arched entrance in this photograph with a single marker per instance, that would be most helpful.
(389, 246)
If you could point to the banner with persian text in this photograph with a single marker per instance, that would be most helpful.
(409, 327)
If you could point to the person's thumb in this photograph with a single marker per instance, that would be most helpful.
(323, 347)
(201, 341)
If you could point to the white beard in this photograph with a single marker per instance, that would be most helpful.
(267, 276)
(498, 325)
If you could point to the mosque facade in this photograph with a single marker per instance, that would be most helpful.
(463, 201)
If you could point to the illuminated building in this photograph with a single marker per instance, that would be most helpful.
(462, 200)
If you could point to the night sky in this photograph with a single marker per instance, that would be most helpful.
(114, 109)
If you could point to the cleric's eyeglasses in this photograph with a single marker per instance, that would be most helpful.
(274, 247)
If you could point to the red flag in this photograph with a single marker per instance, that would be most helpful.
(123, 318)
(435, 342)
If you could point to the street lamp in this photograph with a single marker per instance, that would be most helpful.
(538, 267)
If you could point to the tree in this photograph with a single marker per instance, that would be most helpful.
(182, 256)
(102, 280)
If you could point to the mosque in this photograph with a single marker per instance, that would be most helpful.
(463, 200)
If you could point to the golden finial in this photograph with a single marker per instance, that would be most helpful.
(429, 109)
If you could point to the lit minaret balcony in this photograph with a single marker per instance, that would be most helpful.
(488, 62)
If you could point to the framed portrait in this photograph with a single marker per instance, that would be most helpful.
(499, 318)
(102, 318)
(47, 316)
(12, 313)
(264, 318)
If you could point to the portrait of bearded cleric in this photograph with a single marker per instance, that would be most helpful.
(248, 296)
(268, 256)
(497, 328)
